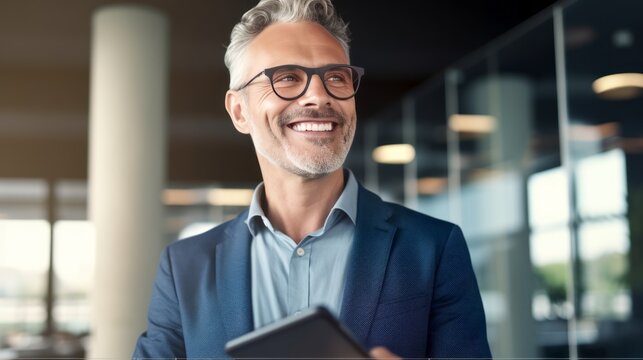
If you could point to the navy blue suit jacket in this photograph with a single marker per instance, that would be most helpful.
(410, 287)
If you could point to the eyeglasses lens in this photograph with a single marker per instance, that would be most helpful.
(340, 81)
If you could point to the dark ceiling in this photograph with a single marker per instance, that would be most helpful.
(44, 72)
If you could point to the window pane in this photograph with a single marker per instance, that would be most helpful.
(74, 243)
(24, 262)
(606, 144)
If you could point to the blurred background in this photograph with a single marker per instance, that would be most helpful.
(519, 121)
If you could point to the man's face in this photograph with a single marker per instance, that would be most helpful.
(309, 136)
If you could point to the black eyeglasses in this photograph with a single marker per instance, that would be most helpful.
(290, 82)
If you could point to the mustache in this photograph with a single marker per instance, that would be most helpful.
(290, 115)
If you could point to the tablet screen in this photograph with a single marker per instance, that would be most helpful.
(314, 333)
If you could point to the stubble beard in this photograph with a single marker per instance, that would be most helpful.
(325, 160)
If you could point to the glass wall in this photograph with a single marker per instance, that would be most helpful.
(540, 163)
(35, 301)
(29, 207)
(605, 147)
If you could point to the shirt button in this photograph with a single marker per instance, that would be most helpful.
(301, 251)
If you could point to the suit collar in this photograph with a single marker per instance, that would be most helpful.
(367, 263)
(233, 280)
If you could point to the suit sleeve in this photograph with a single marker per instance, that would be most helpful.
(457, 328)
(164, 336)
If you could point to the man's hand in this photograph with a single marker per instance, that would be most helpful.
(381, 352)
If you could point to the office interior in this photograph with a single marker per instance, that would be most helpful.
(531, 141)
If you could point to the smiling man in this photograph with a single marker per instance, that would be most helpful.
(401, 281)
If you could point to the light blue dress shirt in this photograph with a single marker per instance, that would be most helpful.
(287, 277)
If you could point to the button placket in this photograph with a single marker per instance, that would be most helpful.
(299, 280)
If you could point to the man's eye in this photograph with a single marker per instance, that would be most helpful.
(286, 78)
(337, 80)
(337, 77)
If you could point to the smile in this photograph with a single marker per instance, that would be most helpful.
(312, 126)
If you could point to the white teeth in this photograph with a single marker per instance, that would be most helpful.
(312, 126)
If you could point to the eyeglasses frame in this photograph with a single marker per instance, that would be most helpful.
(319, 71)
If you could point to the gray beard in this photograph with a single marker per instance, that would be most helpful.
(326, 161)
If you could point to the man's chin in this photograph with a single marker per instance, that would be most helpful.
(303, 165)
(313, 174)
(317, 170)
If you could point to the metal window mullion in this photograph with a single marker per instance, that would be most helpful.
(453, 148)
(567, 164)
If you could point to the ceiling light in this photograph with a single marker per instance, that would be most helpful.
(469, 123)
(394, 154)
(230, 197)
(619, 86)
(431, 185)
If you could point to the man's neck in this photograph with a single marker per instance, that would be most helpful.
(298, 206)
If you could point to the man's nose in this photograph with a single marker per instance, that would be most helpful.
(316, 94)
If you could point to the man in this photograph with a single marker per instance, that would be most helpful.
(399, 280)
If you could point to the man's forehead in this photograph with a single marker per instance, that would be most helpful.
(296, 42)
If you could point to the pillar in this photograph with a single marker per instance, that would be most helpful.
(128, 101)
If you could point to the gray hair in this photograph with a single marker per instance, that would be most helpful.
(268, 12)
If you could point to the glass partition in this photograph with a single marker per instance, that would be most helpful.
(533, 145)
(505, 126)
(603, 56)
(431, 146)
(383, 177)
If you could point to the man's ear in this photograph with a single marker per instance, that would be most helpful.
(234, 103)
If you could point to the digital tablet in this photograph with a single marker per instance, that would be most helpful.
(313, 333)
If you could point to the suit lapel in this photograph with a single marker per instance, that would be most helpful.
(233, 278)
(366, 264)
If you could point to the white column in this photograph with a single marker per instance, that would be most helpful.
(128, 102)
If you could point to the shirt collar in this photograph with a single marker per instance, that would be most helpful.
(346, 203)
